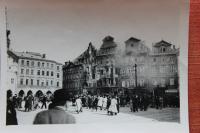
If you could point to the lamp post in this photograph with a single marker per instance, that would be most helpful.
(135, 69)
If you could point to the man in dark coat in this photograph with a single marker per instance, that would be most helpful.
(56, 113)
(11, 118)
(44, 102)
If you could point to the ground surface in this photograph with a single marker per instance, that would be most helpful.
(91, 116)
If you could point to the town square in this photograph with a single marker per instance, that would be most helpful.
(109, 66)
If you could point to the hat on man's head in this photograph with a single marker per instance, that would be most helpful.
(60, 95)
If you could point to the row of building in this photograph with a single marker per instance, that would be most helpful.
(113, 69)
(106, 70)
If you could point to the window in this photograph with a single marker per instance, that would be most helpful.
(132, 45)
(171, 82)
(32, 63)
(51, 82)
(162, 82)
(51, 73)
(47, 83)
(38, 64)
(47, 73)
(51, 65)
(141, 82)
(26, 81)
(21, 81)
(171, 59)
(42, 64)
(22, 62)
(127, 84)
(58, 68)
(31, 81)
(155, 82)
(42, 73)
(42, 83)
(164, 49)
(12, 81)
(58, 75)
(27, 71)
(57, 84)
(154, 59)
(123, 83)
(101, 72)
(38, 82)
(47, 64)
(32, 72)
(38, 72)
(27, 63)
(22, 71)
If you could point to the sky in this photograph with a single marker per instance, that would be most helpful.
(62, 29)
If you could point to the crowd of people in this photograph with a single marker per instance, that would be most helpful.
(112, 103)
(30, 102)
(97, 102)
(108, 103)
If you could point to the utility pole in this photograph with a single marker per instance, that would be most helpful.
(135, 68)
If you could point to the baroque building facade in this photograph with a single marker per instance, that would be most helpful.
(79, 75)
(164, 65)
(134, 64)
(36, 73)
(112, 69)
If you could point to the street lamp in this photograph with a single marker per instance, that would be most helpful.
(135, 69)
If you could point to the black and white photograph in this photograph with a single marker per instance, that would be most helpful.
(95, 62)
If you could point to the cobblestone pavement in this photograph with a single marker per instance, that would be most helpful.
(100, 116)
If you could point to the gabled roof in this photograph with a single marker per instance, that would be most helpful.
(85, 53)
(162, 43)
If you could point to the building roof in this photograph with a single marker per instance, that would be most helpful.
(71, 65)
(33, 56)
(162, 43)
(29, 55)
(108, 42)
(85, 53)
(13, 55)
(133, 39)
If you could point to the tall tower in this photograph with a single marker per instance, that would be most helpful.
(7, 29)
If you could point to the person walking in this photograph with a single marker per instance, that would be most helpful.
(95, 103)
(28, 103)
(44, 102)
(100, 102)
(108, 104)
(56, 114)
(118, 103)
(89, 102)
(113, 106)
(105, 103)
(78, 105)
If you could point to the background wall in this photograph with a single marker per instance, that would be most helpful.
(194, 66)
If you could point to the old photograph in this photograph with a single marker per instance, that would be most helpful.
(93, 61)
